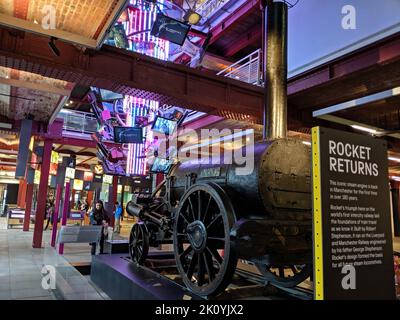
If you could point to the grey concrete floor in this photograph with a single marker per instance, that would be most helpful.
(21, 269)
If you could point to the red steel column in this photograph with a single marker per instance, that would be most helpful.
(41, 205)
(28, 207)
(21, 194)
(22, 200)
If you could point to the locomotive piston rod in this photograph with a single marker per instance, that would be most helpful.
(140, 211)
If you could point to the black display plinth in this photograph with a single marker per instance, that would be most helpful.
(121, 279)
(116, 246)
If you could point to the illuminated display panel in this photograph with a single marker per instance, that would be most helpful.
(141, 16)
(78, 185)
(88, 176)
(107, 179)
(70, 173)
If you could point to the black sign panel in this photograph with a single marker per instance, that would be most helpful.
(128, 135)
(170, 29)
(98, 178)
(353, 250)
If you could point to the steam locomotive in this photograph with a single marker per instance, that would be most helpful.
(214, 217)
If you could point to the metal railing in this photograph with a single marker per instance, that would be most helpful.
(210, 7)
(247, 69)
(78, 121)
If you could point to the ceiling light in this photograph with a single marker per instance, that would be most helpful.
(395, 178)
(192, 17)
(394, 159)
(365, 129)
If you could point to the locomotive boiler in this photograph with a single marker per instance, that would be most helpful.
(213, 217)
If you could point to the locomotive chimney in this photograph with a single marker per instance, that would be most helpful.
(275, 70)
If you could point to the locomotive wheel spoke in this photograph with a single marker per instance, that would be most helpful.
(192, 265)
(199, 205)
(181, 234)
(207, 208)
(214, 253)
(184, 218)
(186, 252)
(209, 266)
(201, 272)
(192, 210)
(281, 272)
(217, 239)
(214, 220)
(294, 270)
(276, 275)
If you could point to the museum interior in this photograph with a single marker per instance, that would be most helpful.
(199, 150)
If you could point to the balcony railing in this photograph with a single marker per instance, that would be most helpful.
(247, 69)
(79, 122)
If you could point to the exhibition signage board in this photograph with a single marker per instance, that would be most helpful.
(79, 234)
(353, 250)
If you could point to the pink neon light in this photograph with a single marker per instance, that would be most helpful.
(142, 19)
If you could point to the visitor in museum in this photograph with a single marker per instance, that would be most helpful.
(49, 213)
(117, 215)
(99, 217)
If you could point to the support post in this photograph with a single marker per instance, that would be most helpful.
(66, 208)
(28, 206)
(113, 200)
(41, 202)
(55, 215)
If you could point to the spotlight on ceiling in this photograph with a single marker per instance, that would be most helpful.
(53, 47)
(192, 17)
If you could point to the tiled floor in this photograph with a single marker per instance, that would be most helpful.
(21, 266)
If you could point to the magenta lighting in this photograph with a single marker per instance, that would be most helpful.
(141, 17)
(136, 158)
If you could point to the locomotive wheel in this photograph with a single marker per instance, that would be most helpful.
(287, 276)
(139, 243)
(203, 222)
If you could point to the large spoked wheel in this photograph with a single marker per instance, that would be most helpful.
(285, 276)
(139, 243)
(204, 255)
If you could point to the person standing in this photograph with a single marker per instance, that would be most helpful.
(99, 218)
(117, 215)
(84, 212)
(49, 213)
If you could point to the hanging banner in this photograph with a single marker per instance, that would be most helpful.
(190, 48)
(353, 250)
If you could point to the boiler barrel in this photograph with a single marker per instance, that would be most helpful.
(278, 183)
